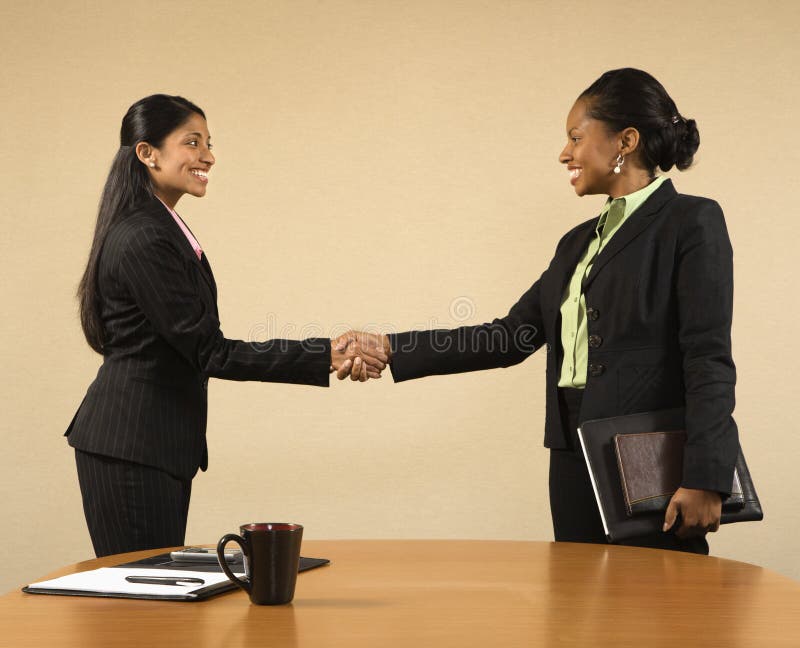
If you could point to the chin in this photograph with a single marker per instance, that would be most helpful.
(588, 191)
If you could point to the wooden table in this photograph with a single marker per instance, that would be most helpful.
(445, 593)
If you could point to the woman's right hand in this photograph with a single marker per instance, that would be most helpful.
(359, 355)
(700, 510)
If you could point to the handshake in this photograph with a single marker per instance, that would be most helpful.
(360, 355)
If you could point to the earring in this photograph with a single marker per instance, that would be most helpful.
(152, 165)
(620, 162)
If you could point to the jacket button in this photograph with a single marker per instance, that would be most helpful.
(595, 341)
(596, 370)
(593, 314)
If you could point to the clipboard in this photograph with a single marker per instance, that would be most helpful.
(109, 582)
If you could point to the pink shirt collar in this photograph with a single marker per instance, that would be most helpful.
(189, 236)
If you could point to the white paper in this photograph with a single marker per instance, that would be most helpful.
(111, 580)
(594, 483)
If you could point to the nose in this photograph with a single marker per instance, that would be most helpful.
(566, 154)
(207, 157)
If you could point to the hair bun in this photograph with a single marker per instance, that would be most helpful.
(687, 143)
(673, 144)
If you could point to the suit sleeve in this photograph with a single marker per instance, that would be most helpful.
(154, 272)
(705, 310)
(501, 343)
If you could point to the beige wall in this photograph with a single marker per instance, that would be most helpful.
(389, 164)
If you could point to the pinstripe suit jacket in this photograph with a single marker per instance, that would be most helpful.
(661, 301)
(148, 402)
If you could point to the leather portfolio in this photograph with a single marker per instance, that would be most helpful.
(154, 578)
(636, 464)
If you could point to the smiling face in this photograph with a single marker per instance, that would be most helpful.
(182, 162)
(591, 153)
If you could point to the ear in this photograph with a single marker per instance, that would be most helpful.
(147, 154)
(628, 140)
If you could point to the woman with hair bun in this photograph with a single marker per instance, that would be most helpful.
(148, 304)
(634, 311)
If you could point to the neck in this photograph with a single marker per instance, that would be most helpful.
(170, 199)
(628, 183)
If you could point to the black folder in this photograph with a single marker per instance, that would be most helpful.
(597, 439)
(163, 561)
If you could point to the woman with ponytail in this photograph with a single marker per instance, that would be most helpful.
(148, 304)
(634, 310)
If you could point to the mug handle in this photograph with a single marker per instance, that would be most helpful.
(232, 537)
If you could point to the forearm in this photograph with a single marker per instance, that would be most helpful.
(469, 348)
(304, 362)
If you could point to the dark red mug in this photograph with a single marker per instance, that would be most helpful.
(271, 553)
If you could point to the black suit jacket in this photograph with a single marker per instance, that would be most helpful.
(659, 303)
(148, 402)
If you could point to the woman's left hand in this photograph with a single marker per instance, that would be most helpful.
(700, 511)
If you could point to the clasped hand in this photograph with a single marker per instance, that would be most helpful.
(700, 511)
(359, 355)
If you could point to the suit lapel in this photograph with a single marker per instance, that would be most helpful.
(185, 247)
(209, 276)
(640, 220)
(561, 268)
(566, 260)
(563, 265)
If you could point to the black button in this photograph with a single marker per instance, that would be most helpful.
(593, 314)
(596, 369)
(595, 341)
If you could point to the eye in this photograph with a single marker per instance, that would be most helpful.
(192, 142)
(574, 139)
(210, 146)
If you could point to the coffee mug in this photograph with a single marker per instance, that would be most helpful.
(271, 559)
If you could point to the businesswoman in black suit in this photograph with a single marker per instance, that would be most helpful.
(634, 310)
(148, 304)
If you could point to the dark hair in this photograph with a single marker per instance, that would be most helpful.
(148, 120)
(628, 97)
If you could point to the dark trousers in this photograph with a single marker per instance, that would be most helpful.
(572, 501)
(129, 507)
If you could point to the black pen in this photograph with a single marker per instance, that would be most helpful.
(165, 580)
